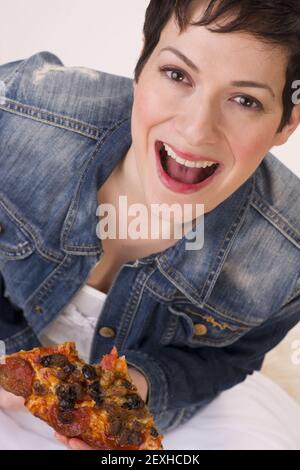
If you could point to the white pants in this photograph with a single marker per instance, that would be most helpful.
(256, 414)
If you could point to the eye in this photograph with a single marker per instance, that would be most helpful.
(248, 102)
(175, 75)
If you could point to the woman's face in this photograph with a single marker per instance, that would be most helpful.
(208, 113)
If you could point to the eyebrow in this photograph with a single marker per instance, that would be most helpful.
(249, 83)
(181, 56)
(239, 83)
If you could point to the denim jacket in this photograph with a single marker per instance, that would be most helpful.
(194, 323)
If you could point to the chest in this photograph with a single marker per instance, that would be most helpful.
(117, 252)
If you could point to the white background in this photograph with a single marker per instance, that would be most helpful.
(101, 34)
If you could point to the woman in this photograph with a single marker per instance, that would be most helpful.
(209, 101)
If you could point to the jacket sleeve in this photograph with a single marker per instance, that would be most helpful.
(14, 329)
(7, 71)
(183, 380)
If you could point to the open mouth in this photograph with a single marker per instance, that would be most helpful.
(183, 178)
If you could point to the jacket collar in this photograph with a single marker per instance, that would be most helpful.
(79, 235)
(193, 272)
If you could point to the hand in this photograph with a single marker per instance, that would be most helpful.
(141, 384)
(73, 443)
(8, 401)
(139, 381)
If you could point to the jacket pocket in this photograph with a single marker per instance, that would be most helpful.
(15, 242)
(188, 325)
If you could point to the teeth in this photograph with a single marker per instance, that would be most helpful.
(186, 163)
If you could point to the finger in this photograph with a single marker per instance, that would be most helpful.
(62, 439)
(77, 444)
(9, 401)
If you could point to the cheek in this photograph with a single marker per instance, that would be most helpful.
(148, 109)
(250, 148)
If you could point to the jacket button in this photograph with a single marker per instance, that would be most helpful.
(37, 309)
(107, 332)
(1, 229)
(200, 330)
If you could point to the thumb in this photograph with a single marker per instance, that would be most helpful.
(8, 401)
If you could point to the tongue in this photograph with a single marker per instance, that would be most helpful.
(184, 174)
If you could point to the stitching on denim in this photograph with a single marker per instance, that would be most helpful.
(51, 118)
(130, 311)
(195, 341)
(78, 248)
(18, 338)
(234, 317)
(28, 231)
(201, 305)
(45, 288)
(277, 220)
(16, 253)
(215, 323)
(73, 210)
(170, 329)
(157, 295)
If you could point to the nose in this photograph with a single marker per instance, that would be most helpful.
(197, 123)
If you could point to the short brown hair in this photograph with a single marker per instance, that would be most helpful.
(272, 21)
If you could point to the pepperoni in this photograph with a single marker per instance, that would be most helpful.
(108, 361)
(70, 423)
(16, 376)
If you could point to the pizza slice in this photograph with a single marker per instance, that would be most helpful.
(96, 403)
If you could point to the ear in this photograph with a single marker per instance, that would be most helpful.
(282, 137)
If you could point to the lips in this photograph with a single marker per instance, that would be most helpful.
(190, 156)
(179, 178)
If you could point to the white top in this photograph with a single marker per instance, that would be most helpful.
(77, 321)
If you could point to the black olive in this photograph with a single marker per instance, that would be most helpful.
(89, 372)
(69, 368)
(76, 391)
(62, 391)
(96, 393)
(54, 360)
(127, 384)
(115, 428)
(94, 387)
(154, 432)
(133, 402)
(72, 392)
(45, 361)
(69, 391)
(131, 438)
(61, 375)
(65, 405)
(99, 401)
(39, 388)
